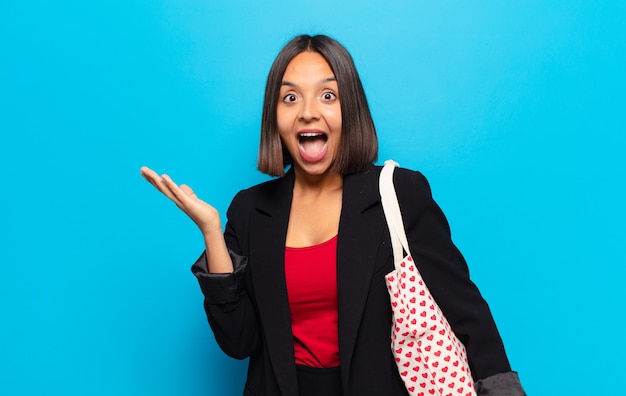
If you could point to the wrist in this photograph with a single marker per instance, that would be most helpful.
(212, 230)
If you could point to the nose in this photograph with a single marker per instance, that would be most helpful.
(310, 110)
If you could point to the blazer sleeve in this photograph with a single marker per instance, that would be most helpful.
(227, 303)
(447, 276)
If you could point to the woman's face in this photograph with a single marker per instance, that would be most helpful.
(309, 113)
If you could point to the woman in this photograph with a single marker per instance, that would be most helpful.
(296, 282)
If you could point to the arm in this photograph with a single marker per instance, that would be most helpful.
(220, 271)
(230, 310)
(446, 273)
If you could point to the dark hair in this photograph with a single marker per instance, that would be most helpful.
(359, 144)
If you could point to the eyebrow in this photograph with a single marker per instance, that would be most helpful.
(327, 79)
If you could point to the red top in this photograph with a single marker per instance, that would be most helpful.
(311, 274)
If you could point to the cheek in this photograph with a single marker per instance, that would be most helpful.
(283, 120)
(335, 122)
(284, 134)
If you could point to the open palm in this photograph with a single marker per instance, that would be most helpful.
(204, 215)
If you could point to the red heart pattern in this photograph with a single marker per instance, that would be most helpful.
(422, 340)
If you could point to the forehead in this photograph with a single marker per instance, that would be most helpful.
(308, 65)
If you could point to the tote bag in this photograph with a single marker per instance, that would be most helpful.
(430, 358)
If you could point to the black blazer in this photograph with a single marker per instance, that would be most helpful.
(249, 312)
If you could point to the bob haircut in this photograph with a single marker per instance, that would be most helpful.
(358, 146)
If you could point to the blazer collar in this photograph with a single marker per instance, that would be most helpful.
(276, 200)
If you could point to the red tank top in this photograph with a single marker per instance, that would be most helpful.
(311, 274)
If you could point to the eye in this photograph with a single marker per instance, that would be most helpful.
(329, 96)
(290, 98)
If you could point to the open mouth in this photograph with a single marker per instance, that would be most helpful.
(312, 145)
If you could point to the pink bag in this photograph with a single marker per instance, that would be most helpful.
(430, 358)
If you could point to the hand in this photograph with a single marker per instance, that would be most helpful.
(204, 215)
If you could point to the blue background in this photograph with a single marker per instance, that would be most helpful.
(514, 111)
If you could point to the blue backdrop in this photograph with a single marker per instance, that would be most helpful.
(514, 111)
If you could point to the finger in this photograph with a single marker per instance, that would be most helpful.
(187, 190)
(148, 173)
(165, 185)
(152, 177)
(183, 195)
(173, 191)
(156, 183)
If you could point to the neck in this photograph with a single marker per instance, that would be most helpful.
(327, 182)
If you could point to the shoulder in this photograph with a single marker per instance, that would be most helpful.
(362, 189)
(258, 190)
(411, 179)
(408, 180)
(414, 195)
(268, 195)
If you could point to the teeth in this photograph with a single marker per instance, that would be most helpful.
(311, 134)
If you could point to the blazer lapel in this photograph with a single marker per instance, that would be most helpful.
(360, 231)
(267, 252)
(361, 228)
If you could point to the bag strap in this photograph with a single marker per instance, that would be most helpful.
(391, 208)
